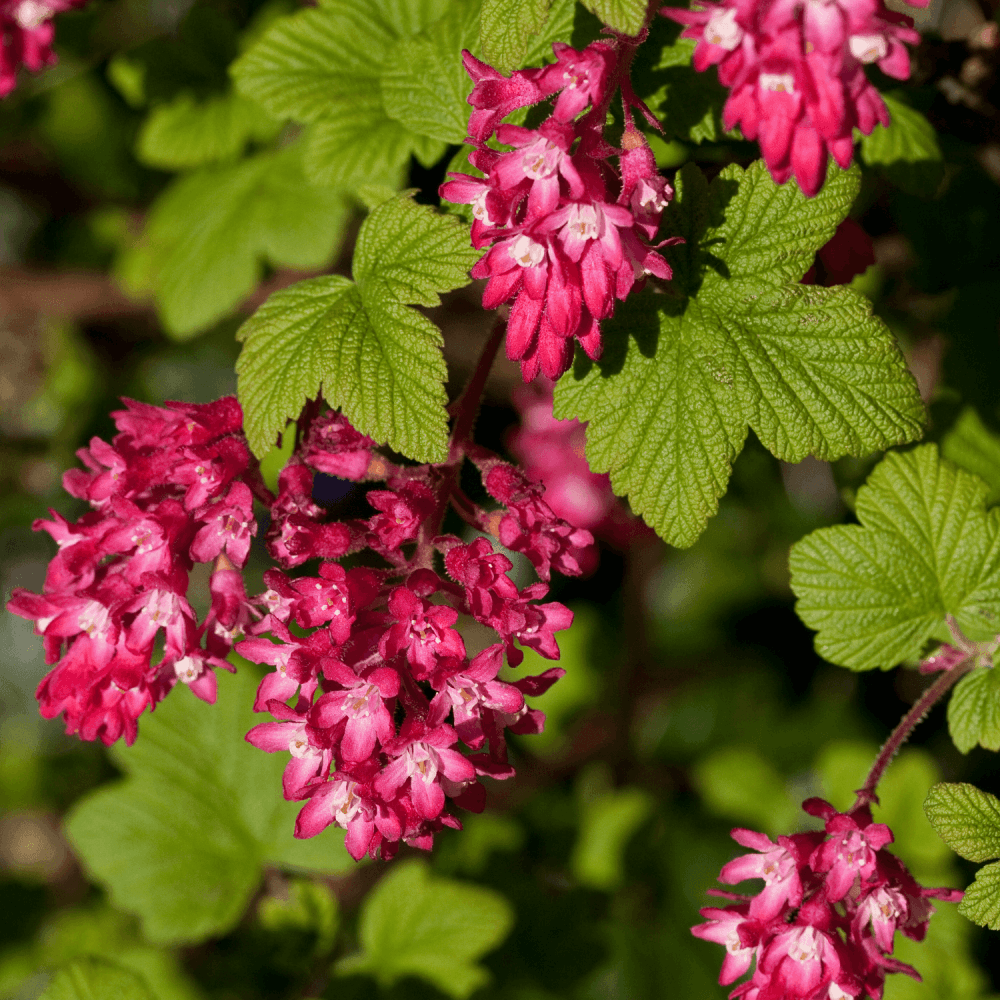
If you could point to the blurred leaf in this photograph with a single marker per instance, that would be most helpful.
(96, 979)
(413, 924)
(976, 449)
(424, 84)
(680, 380)
(182, 841)
(974, 711)
(907, 151)
(608, 820)
(967, 820)
(926, 548)
(190, 133)
(309, 906)
(208, 235)
(95, 932)
(482, 836)
(360, 341)
(626, 16)
(741, 785)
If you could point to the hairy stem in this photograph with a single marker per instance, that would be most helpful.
(908, 723)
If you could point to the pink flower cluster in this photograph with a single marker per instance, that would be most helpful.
(552, 451)
(567, 232)
(796, 73)
(27, 34)
(373, 689)
(823, 926)
(165, 494)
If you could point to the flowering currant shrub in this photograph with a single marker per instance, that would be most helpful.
(675, 221)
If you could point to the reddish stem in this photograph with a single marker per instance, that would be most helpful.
(908, 723)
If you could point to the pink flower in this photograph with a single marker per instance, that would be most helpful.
(336, 448)
(362, 703)
(423, 630)
(795, 69)
(228, 525)
(775, 864)
(350, 805)
(401, 512)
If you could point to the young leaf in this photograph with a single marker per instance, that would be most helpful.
(360, 342)
(188, 133)
(966, 819)
(506, 27)
(809, 369)
(208, 235)
(625, 16)
(608, 821)
(96, 979)
(182, 841)
(907, 151)
(424, 84)
(413, 924)
(976, 449)
(982, 899)
(926, 548)
(974, 711)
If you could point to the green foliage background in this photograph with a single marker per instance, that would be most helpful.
(694, 699)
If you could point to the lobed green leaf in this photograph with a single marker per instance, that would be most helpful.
(970, 444)
(413, 924)
(974, 711)
(907, 150)
(811, 370)
(982, 899)
(926, 548)
(625, 16)
(506, 27)
(966, 819)
(183, 840)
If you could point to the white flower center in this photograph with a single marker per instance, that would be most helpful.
(583, 222)
(188, 669)
(722, 30)
(527, 252)
(541, 159)
(480, 211)
(93, 618)
(779, 83)
(30, 14)
(868, 48)
(805, 947)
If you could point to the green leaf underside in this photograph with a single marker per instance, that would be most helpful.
(96, 979)
(506, 29)
(324, 66)
(625, 16)
(970, 444)
(209, 234)
(809, 369)
(982, 899)
(974, 711)
(925, 548)
(966, 819)
(358, 341)
(189, 133)
(413, 924)
(907, 150)
(182, 841)
(424, 84)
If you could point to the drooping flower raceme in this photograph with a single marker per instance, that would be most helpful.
(27, 34)
(795, 70)
(372, 691)
(823, 926)
(567, 233)
(164, 495)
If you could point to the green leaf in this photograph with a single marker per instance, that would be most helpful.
(925, 549)
(424, 84)
(210, 232)
(187, 132)
(907, 151)
(96, 979)
(506, 27)
(974, 711)
(359, 342)
(982, 899)
(183, 840)
(970, 444)
(608, 821)
(626, 16)
(966, 819)
(324, 66)
(809, 369)
(413, 924)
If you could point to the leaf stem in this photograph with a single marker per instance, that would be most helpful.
(466, 407)
(908, 723)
